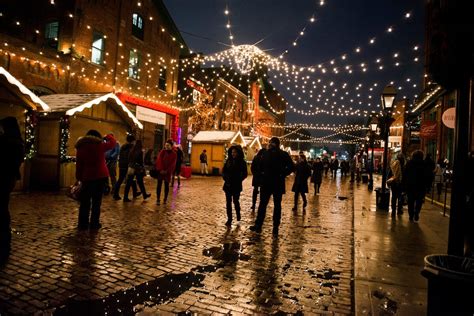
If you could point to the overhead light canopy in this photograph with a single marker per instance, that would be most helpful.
(388, 97)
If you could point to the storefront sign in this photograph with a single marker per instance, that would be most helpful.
(148, 115)
(195, 86)
(428, 129)
(449, 117)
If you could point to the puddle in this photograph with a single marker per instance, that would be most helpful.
(342, 198)
(228, 253)
(387, 306)
(133, 300)
(329, 275)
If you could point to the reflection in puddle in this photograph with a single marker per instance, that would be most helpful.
(228, 253)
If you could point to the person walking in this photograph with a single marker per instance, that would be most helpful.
(317, 176)
(111, 158)
(12, 157)
(179, 162)
(203, 160)
(234, 173)
(395, 184)
(326, 165)
(92, 172)
(275, 166)
(136, 169)
(416, 177)
(123, 168)
(256, 176)
(334, 167)
(148, 160)
(300, 185)
(165, 165)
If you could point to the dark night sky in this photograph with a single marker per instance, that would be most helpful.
(341, 26)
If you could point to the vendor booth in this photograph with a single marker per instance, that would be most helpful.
(252, 147)
(216, 144)
(18, 101)
(72, 115)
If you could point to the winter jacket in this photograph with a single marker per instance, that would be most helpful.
(416, 177)
(234, 172)
(275, 166)
(113, 154)
(166, 164)
(90, 157)
(302, 173)
(318, 169)
(124, 155)
(179, 159)
(135, 160)
(256, 172)
(396, 168)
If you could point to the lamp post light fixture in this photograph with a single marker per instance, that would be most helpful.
(388, 100)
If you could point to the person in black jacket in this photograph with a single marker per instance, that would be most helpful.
(123, 167)
(256, 176)
(10, 161)
(275, 166)
(179, 162)
(300, 186)
(317, 176)
(234, 172)
(415, 179)
(136, 168)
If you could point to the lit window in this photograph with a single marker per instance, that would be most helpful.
(98, 48)
(51, 34)
(134, 64)
(137, 25)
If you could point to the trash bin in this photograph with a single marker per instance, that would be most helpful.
(365, 178)
(215, 171)
(450, 285)
(382, 199)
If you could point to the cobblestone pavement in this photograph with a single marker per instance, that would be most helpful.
(180, 257)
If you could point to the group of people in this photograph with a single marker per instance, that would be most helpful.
(413, 178)
(97, 158)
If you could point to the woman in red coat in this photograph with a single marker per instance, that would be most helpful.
(165, 164)
(92, 172)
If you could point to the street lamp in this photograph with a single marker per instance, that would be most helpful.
(372, 132)
(388, 98)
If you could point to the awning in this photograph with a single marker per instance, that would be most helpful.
(428, 96)
(73, 103)
(15, 87)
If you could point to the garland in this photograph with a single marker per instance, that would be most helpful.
(31, 121)
(64, 125)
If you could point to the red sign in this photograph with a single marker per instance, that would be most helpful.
(195, 86)
(428, 129)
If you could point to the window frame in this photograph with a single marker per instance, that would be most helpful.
(52, 41)
(131, 73)
(138, 25)
(162, 79)
(102, 51)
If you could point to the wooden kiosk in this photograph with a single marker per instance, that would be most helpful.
(215, 143)
(18, 101)
(72, 115)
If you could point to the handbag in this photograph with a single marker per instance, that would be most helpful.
(74, 191)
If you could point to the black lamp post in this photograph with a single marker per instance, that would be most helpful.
(388, 99)
(373, 128)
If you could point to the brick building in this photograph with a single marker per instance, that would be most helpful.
(131, 48)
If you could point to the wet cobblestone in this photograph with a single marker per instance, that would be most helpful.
(180, 257)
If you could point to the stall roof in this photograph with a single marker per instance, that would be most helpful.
(253, 141)
(218, 137)
(72, 103)
(17, 88)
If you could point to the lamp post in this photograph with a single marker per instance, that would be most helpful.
(373, 128)
(388, 99)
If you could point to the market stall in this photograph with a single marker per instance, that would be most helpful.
(252, 147)
(18, 101)
(216, 144)
(72, 115)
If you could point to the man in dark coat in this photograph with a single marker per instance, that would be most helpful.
(10, 161)
(300, 186)
(123, 168)
(317, 176)
(275, 166)
(256, 176)
(179, 162)
(415, 178)
(234, 172)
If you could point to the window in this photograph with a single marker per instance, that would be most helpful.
(162, 79)
(51, 34)
(137, 25)
(98, 48)
(134, 64)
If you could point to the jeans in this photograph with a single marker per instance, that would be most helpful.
(122, 176)
(131, 183)
(229, 197)
(203, 167)
(90, 202)
(262, 208)
(397, 198)
(303, 195)
(415, 201)
(316, 187)
(112, 167)
(254, 196)
(158, 189)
